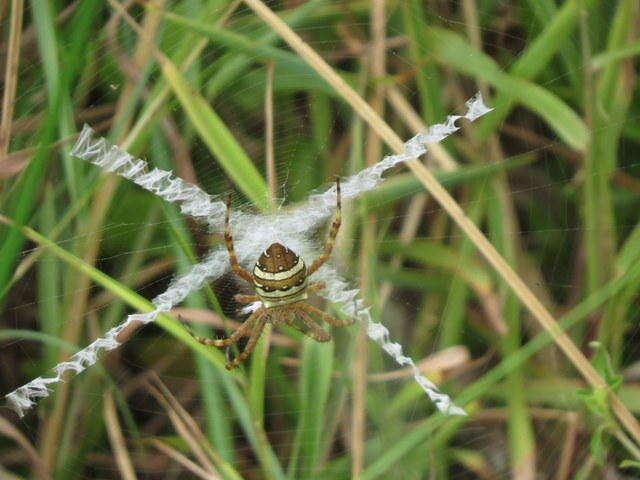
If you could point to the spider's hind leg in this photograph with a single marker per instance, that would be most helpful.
(315, 331)
(225, 342)
(314, 312)
(253, 340)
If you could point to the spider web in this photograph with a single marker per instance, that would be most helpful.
(288, 229)
(290, 144)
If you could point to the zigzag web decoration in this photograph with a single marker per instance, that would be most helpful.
(252, 234)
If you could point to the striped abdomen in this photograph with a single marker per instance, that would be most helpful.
(280, 276)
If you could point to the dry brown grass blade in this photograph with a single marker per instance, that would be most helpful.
(164, 93)
(15, 162)
(569, 446)
(12, 165)
(184, 432)
(491, 307)
(11, 75)
(448, 359)
(181, 155)
(181, 459)
(118, 444)
(526, 296)
(188, 419)
(7, 475)
(143, 276)
(186, 426)
(33, 123)
(411, 119)
(272, 180)
(8, 430)
(373, 61)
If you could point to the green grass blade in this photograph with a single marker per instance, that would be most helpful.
(314, 384)
(435, 254)
(233, 66)
(240, 43)
(502, 224)
(130, 297)
(49, 276)
(615, 54)
(535, 58)
(218, 138)
(455, 305)
(452, 50)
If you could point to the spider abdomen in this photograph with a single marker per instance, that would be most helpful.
(280, 276)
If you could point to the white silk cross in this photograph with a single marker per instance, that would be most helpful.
(252, 233)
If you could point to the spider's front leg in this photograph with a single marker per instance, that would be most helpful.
(333, 233)
(246, 298)
(228, 239)
(316, 287)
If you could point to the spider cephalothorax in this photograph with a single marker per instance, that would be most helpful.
(280, 282)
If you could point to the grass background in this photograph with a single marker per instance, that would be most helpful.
(207, 89)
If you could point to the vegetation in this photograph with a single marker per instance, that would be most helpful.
(224, 94)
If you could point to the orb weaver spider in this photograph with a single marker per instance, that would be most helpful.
(280, 279)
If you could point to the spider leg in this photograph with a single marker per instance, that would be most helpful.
(242, 273)
(253, 339)
(313, 311)
(246, 298)
(315, 331)
(224, 342)
(335, 226)
(314, 287)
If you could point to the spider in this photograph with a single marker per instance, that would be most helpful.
(280, 279)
